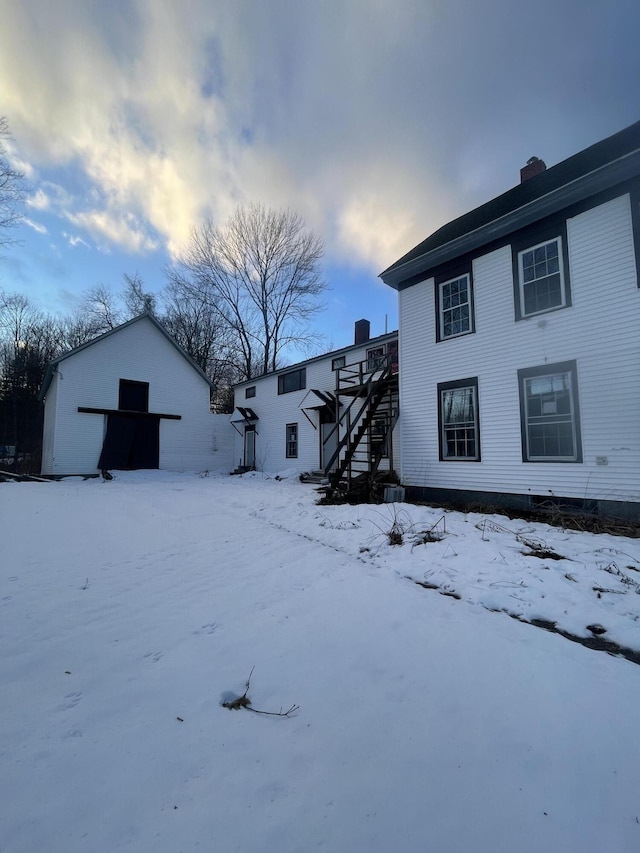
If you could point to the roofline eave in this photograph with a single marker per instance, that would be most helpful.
(53, 364)
(577, 190)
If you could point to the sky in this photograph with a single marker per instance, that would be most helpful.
(378, 121)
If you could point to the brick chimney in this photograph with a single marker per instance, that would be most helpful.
(362, 331)
(534, 167)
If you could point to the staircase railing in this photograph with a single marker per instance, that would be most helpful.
(367, 383)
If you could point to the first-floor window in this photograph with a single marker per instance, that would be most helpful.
(458, 420)
(377, 435)
(292, 441)
(550, 413)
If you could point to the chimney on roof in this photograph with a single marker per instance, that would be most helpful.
(362, 331)
(534, 167)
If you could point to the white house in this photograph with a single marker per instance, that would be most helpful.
(333, 413)
(131, 398)
(519, 329)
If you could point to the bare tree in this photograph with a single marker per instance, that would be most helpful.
(203, 334)
(135, 298)
(100, 309)
(261, 273)
(76, 329)
(29, 340)
(11, 189)
(17, 317)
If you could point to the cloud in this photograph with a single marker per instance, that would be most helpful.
(377, 120)
(121, 229)
(41, 229)
(73, 240)
(51, 197)
(39, 200)
(17, 162)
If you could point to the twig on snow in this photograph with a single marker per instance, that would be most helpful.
(244, 702)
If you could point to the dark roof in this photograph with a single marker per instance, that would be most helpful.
(577, 166)
(146, 315)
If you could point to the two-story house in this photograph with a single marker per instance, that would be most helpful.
(519, 329)
(333, 414)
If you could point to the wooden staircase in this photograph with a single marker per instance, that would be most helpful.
(367, 397)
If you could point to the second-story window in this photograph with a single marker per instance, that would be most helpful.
(375, 358)
(250, 392)
(455, 307)
(294, 380)
(541, 278)
(454, 303)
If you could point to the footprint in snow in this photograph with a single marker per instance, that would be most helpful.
(209, 628)
(70, 701)
(71, 734)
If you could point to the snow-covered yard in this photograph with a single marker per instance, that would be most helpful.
(130, 609)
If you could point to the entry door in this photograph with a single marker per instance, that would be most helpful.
(328, 444)
(249, 446)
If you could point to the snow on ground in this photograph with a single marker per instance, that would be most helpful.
(130, 609)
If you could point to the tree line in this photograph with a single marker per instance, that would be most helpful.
(234, 300)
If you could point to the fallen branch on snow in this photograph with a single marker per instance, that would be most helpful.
(244, 702)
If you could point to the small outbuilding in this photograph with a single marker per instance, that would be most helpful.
(131, 398)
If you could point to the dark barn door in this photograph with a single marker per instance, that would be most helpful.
(130, 442)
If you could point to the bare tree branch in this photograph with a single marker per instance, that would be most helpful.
(135, 298)
(100, 308)
(244, 702)
(11, 189)
(261, 273)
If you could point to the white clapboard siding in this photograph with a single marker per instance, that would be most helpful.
(90, 377)
(275, 411)
(599, 331)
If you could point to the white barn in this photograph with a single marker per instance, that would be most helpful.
(131, 398)
(305, 416)
(519, 329)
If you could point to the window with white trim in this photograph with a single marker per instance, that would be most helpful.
(550, 413)
(455, 307)
(292, 441)
(458, 419)
(541, 278)
(337, 362)
(250, 391)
